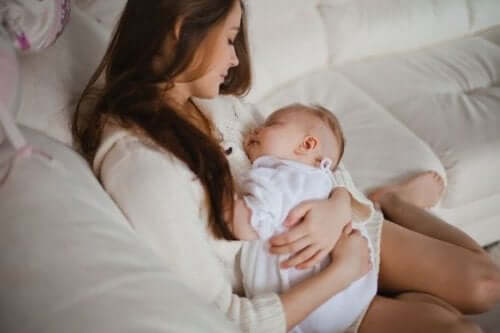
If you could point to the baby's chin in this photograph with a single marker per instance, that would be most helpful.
(251, 156)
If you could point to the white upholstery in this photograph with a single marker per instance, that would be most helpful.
(53, 79)
(71, 262)
(363, 28)
(450, 97)
(287, 39)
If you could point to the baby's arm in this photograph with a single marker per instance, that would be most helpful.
(242, 215)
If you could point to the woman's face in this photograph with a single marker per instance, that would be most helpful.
(223, 55)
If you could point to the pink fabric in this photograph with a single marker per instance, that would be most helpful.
(35, 24)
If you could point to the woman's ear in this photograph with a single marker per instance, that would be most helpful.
(310, 143)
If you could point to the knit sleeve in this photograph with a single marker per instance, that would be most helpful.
(265, 201)
(363, 207)
(161, 199)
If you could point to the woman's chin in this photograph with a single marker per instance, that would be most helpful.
(208, 94)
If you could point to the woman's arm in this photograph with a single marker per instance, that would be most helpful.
(350, 261)
(155, 192)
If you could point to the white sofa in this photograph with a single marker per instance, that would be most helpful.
(414, 83)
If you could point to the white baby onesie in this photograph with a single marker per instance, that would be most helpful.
(271, 189)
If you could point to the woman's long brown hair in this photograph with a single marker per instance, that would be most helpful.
(130, 95)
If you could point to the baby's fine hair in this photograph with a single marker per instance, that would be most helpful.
(327, 117)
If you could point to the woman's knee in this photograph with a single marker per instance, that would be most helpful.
(460, 325)
(483, 286)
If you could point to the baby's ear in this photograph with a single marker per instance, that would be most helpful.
(310, 143)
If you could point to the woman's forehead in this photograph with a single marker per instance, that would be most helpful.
(233, 20)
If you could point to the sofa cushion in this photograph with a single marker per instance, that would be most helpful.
(449, 95)
(287, 39)
(379, 150)
(357, 29)
(53, 79)
(71, 262)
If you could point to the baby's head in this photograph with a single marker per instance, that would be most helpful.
(298, 132)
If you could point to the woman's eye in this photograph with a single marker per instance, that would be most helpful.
(230, 41)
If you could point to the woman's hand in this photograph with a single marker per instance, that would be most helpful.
(351, 255)
(315, 228)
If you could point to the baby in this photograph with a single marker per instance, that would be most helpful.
(294, 158)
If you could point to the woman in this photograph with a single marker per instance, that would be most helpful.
(159, 152)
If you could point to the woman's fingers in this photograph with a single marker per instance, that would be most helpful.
(300, 257)
(297, 214)
(292, 247)
(290, 236)
(320, 255)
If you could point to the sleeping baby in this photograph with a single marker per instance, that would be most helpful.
(295, 157)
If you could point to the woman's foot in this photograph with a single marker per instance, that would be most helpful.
(423, 190)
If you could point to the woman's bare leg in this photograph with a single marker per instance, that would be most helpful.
(414, 262)
(423, 253)
(417, 219)
(413, 315)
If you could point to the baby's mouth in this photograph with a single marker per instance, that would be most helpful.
(252, 142)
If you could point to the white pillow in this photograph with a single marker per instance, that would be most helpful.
(70, 262)
(361, 28)
(53, 79)
(287, 39)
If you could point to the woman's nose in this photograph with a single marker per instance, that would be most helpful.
(234, 61)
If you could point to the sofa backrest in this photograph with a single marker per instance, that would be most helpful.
(287, 39)
(358, 29)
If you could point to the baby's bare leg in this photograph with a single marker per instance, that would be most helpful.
(413, 315)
